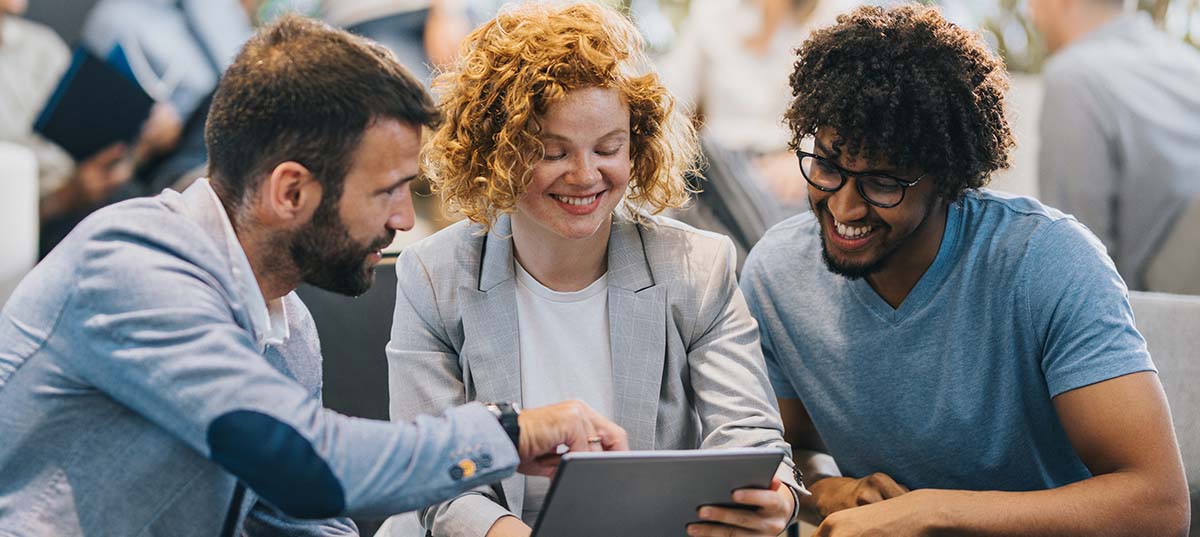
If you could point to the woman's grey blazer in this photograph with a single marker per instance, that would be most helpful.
(688, 371)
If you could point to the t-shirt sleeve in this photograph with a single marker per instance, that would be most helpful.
(1079, 307)
(762, 308)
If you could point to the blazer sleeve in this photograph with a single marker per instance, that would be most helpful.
(167, 345)
(424, 376)
(729, 378)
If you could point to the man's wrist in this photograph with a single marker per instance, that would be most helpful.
(507, 413)
(817, 486)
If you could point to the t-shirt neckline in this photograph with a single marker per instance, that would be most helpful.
(527, 281)
(930, 282)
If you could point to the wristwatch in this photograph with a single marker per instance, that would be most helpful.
(506, 414)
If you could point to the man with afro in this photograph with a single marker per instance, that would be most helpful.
(948, 359)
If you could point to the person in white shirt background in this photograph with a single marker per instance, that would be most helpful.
(729, 66)
(32, 59)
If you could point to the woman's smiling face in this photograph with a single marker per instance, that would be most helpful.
(585, 171)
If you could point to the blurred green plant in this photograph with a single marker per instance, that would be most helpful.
(1014, 37)
(1180, 17)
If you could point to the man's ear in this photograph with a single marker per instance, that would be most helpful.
(288, 196)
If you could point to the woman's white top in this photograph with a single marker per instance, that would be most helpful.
(565, 354)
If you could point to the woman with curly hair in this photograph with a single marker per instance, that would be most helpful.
(559, 148)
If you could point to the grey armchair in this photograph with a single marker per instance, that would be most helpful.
(1176, 266)
(1169, 323)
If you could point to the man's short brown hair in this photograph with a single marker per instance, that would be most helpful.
(303, 91)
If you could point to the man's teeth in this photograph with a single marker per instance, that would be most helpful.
(574, 200)
(851, 232)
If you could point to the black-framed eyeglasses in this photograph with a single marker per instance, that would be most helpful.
(878, 189)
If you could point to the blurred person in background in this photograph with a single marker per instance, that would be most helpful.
(730, 67)
(1120, 125)
(32, 59)
(654, 25)
(424, 34)
(185, 45)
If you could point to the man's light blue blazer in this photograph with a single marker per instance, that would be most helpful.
(136, 401)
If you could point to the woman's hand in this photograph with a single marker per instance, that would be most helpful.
(772, 515)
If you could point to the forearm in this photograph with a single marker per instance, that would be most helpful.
(509, 526)
(416, 467)
(473, 514)
(815, 466)
(1110, 505)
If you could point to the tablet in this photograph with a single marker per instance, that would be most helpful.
(647, 493)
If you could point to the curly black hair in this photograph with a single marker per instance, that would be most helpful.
(905, 85)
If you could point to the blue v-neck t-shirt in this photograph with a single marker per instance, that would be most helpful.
(954, 388)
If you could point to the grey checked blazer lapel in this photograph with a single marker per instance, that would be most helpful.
(637, 331)
(489, 314)
(637, 317)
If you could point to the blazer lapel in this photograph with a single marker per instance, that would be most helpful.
(637, 317)
(490, 343)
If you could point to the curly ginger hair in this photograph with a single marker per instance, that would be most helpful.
(511, 70)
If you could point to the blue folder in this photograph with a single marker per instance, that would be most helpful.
(94, 105)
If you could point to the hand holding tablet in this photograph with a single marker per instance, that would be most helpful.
(763, 512)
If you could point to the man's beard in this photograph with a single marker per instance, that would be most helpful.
(852, 271)
(861, 270)
(328, 257)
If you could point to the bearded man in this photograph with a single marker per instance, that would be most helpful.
(159, 376)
